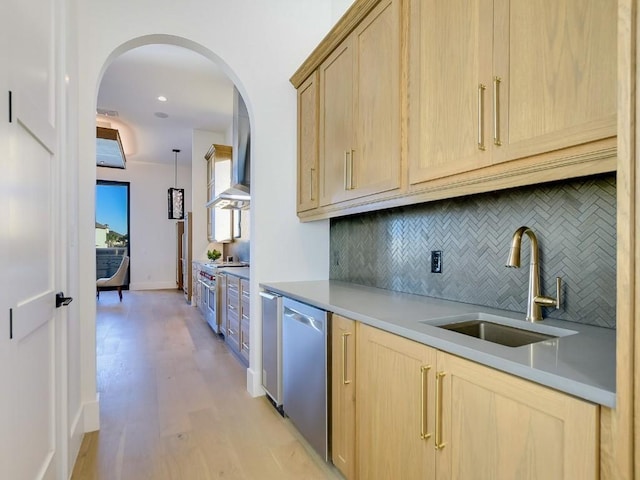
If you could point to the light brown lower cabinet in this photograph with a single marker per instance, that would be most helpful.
(422, 413)
(343, 395)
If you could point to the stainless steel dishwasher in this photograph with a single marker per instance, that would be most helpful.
(305, 372)
(272, 346)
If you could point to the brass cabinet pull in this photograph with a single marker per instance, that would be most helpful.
(344, 358)
(424, 384)
(351, 153)
(311, 174)
(346, 169)
(481, 89)
(496, 110)
(439, 443)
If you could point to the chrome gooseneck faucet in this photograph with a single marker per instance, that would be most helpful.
(535, 301)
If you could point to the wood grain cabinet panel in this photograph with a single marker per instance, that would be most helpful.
(557, 64)
(391, 407)
(497, 81)
(308, 109)
(449, 51)
(422, 413)
(336, 123)
(495, 425)
(343, 395)
(360, 110)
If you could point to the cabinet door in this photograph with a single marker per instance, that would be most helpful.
(233, 313)
(343, 395)
(395, 413)
(336, 123)
(308, 97)
(449, 80)
(498, 426)
(556, 61)
(245, 319)
(375, 161)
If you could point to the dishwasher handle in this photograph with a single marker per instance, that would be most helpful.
(304, 319)
(269, 296)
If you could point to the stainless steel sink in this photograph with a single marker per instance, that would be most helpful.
(505, 331)
(497, 333)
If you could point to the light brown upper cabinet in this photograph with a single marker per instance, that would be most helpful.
(359, 129)
(491, 82)
(308, 144)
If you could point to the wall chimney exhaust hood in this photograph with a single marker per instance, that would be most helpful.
(238, 197)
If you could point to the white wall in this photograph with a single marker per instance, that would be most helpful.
(259, 45)
(338, 7)
(153, 235)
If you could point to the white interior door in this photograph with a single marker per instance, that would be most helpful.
(30, 235)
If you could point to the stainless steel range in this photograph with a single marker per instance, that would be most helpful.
(208, 295)
(210, 292)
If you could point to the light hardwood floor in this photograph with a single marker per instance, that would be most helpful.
(174, 405)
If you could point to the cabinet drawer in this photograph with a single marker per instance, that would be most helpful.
(233, 331)
(244, 340)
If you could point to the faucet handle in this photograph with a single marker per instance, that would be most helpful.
(549, 301)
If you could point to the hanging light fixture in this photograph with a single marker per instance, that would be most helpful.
(176, 195)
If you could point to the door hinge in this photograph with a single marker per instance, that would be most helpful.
(10, 108)
(10, 323)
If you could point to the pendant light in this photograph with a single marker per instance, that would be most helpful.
(176, 195)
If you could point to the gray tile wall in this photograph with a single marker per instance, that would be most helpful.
(575, 222)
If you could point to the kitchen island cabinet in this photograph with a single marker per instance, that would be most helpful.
(422, 413)
(343, 395)
(232, 337)
(245, 319)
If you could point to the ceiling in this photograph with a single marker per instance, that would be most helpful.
(199, 96)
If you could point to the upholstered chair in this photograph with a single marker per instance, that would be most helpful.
(116, 280)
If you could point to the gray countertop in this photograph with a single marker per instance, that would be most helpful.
(242, 272)
(213, 268)
(581, 363)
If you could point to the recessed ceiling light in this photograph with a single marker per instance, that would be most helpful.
(162, 98)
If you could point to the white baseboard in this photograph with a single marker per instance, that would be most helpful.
(153, 285)
(254, 383)
(91, 415)
(76, 434)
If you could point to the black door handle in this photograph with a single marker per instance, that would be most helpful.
(61, 300)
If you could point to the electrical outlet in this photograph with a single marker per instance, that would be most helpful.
(436, 261)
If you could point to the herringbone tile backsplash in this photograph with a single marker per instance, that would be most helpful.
(575, 222)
